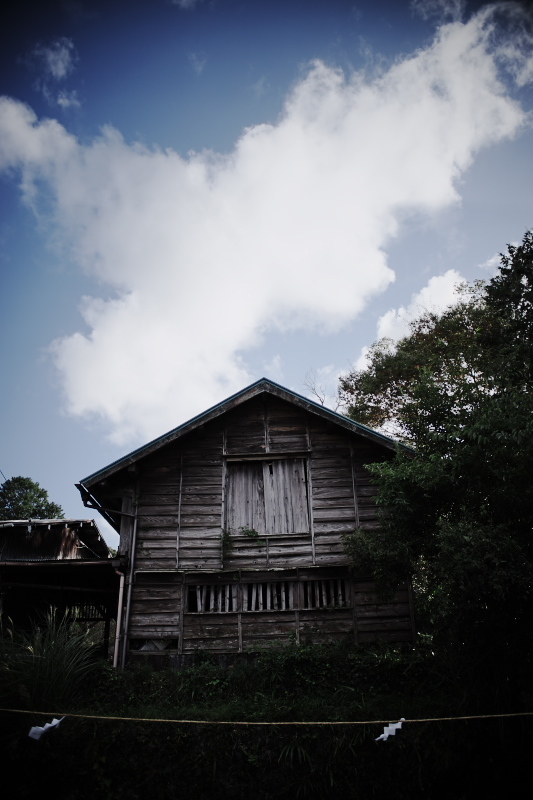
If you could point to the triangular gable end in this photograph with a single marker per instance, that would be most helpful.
(264, 385)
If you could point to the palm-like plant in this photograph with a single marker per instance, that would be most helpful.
(47, 666)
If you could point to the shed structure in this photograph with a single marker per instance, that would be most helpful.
(232, 526)
(59, 563)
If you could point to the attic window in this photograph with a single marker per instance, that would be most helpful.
(267, 496)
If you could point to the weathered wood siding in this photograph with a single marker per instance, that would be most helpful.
(159, 510)
(202, 496)
(334, 506)
(391, 621)
(156, 607)
(239, 612)
(240, 536)
(192, 491)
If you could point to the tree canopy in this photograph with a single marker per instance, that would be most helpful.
(458, 507)
(22, 498)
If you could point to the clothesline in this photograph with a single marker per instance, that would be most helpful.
(237, 722)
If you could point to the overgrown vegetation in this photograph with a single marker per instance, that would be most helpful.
(48, 666)
(111, 758)
(458, 509)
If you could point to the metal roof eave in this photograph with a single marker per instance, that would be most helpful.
(260, 386)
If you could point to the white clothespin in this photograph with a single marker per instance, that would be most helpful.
(37, 732)
(390, 730)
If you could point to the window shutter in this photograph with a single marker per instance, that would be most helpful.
(286, 508)
(267, 496)
(245, 497)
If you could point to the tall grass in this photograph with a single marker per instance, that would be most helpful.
(46, 667)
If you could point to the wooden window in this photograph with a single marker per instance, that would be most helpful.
(325, 594)
(212, 598)
(270, 596)
(267, 596)
(269, 497)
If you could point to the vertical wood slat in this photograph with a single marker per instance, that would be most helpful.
(223, 519)
(266, 426)
(178, 532)
(182, 611)
(126, 525)
(354, 487)
(309, 488)
(324, 594)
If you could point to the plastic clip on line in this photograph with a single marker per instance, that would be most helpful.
(37, 732)
(390, 730)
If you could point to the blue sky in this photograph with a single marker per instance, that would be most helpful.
(196, 194)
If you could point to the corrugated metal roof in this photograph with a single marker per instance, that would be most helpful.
(51, 540)
(262, 385)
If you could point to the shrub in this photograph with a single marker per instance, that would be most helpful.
(47, 666)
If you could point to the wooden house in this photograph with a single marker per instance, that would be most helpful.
(59, 563)
(232, 526)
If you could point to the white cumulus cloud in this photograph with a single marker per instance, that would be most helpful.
(439, 293)
(201, 256)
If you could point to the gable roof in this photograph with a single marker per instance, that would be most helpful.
(263, 385)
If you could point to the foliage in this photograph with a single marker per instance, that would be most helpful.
(458, 510)
(22, 498)
(334, 681)
(47, 666)
(227, 544)
(253, 534)
(429, 377)
(114, 758)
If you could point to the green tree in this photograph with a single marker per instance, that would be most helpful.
(457, 508)
(442, 356)
(22, 498)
